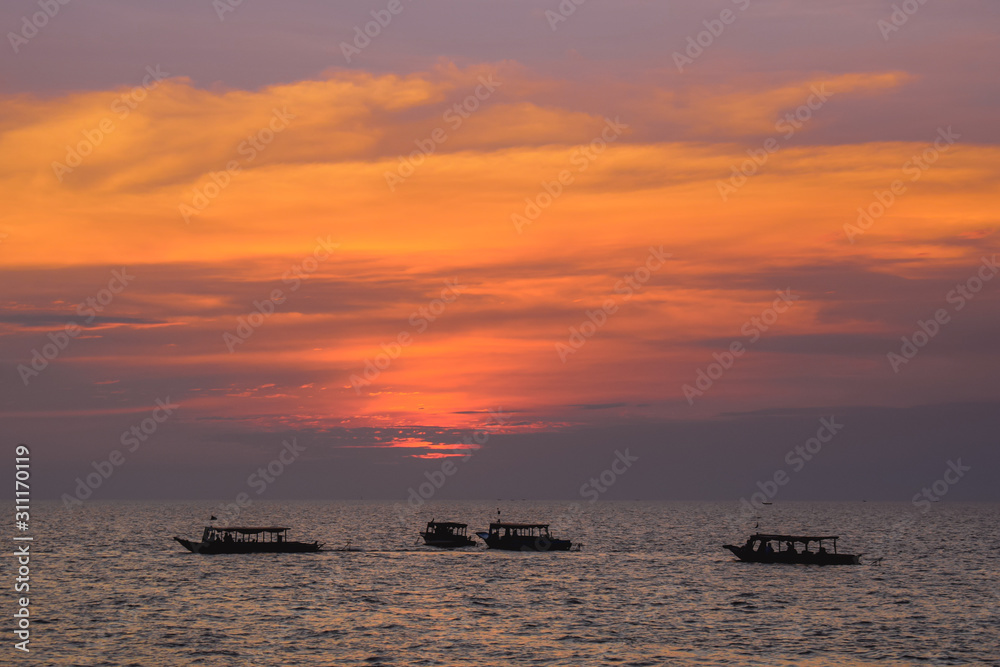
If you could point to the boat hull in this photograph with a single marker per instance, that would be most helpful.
(453, 542)
(792, 558)
(527, 543)
(219, 547)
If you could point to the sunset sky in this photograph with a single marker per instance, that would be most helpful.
(523, 212)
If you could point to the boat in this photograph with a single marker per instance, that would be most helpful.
(246, 540)
(447, 535)
(522, 537)
(768, 548)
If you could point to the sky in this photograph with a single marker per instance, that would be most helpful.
(501, 246)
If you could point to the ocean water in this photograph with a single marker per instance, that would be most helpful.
(651, 586)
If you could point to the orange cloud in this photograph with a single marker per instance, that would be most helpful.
(593, 207)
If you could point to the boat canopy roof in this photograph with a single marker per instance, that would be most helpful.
(245, 530)
(448, 524)
(792, 538)
(518, 525)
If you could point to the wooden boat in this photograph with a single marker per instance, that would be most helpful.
(447, 535)
(768, 548)
(246, 540)
(522, 537)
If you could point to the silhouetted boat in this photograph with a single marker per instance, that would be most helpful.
(522, 537)
(447, 535)
(767, 548)
(244, 540)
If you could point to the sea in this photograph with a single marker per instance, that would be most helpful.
(651, 585)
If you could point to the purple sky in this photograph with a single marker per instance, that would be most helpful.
(608, 59)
